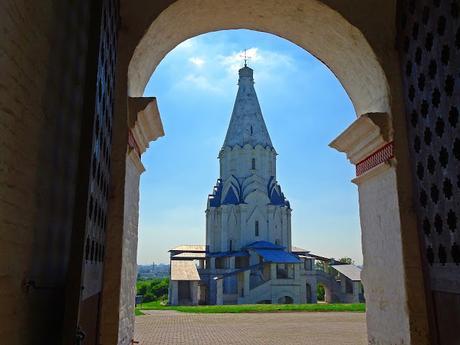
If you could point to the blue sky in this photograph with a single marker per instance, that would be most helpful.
(305, 108)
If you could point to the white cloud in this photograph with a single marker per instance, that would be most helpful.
(197, 61)
(235, 61)
(222, 65)
(266, 62)
(201, 82)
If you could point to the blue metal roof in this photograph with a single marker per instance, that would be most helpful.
(275, 193)
(278, 256)
(231, 197)
(214, 198)
(263, 245)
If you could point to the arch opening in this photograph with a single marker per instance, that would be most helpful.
(319, 30)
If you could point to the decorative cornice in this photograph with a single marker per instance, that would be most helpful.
(146, 121)
(367, 142)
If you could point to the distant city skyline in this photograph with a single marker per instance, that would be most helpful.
(304, 107)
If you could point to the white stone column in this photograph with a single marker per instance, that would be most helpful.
(194, 292)
(147, 127)
(356, 291)
(212, 263)
(219, 292)
(296, 271)
(368, 144)
(231, 262)
(343, 284)
(314, 295)
(327, 294)
(174, 298)
(272, 271)
(246, 282)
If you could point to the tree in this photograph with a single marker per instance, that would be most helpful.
(320, 292)
(346, 260)
(155, 289)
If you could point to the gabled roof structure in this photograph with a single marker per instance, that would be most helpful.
(352, 272)
(192, 248)
(184, 270)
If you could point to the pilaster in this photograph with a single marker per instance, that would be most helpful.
(145, 126)
(219, 291)
(272, 271)
(246, 282)
(368, 144)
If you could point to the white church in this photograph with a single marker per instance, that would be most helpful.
(248, 257)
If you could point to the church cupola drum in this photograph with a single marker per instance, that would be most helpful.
(247, 204)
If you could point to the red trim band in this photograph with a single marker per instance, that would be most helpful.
(382, 155)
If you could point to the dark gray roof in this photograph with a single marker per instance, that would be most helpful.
(350, 271)
(247, 125)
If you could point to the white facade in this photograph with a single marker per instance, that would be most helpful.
(247, 204)
(248, 256)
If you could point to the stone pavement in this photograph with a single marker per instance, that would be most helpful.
(175, 328)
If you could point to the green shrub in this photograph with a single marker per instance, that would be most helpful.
(155, 289)
(320, 292)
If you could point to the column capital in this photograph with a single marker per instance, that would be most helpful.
(145, 122)
(367, 142)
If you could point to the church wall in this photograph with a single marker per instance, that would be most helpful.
(238, 161)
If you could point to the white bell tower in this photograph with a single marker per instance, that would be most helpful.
(247, 204)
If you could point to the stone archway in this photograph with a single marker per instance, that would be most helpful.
(367, 72)
(313, 26)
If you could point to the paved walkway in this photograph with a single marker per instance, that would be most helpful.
(175, 328)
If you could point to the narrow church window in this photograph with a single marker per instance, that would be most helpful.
(253, 164)
(230, 245)
(251, 130)
(257, 228)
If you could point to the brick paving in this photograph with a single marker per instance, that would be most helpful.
(175, 328)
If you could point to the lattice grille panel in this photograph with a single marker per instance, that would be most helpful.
(430, 57)
(101, 148)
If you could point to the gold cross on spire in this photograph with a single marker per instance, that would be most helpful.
(245, 57)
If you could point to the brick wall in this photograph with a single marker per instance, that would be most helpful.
(24, 56)
(43, 64)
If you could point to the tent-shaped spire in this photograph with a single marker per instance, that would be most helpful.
(247, 124)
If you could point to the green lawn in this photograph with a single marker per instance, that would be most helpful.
(255, 308)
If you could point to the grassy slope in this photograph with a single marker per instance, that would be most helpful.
(256, 308)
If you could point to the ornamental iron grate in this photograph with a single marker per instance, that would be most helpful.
(96, 221)
(430, 58)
